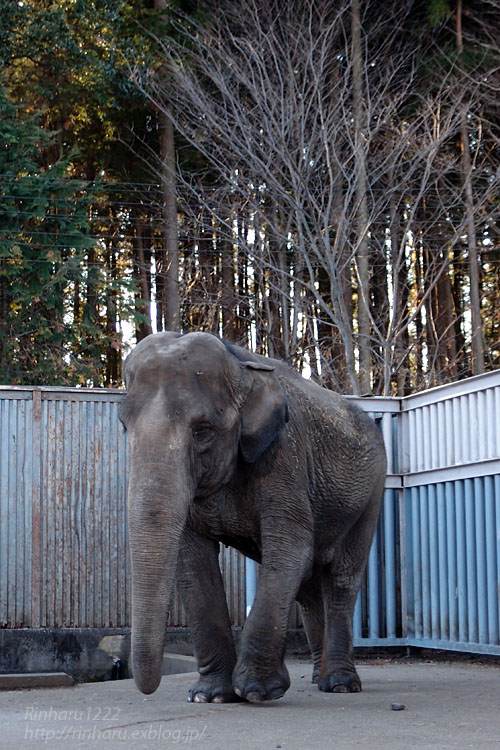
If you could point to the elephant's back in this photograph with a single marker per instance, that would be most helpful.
(338, 432)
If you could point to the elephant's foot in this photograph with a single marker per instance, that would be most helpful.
(213, 689)
(249, 685)
(317, 659)
(345, 682)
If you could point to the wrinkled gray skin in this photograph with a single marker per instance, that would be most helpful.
(228, 446)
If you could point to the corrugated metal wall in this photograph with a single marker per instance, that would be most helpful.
(453, 549)
(450, 454)
(433, 576)
(16, 490)
(63, 551)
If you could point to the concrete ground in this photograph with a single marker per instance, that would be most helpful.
(447, 706)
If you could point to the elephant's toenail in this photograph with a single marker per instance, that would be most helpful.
(254, 697)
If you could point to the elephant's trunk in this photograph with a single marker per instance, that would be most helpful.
(158, 501)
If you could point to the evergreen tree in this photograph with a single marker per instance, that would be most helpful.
(43, 242)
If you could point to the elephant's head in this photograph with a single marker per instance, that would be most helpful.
(193, 410)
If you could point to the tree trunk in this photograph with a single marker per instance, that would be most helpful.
(228, 297)
(90, 315)
(380, 312)
(458, 305)
(275, 311)
(400, 291)
(362, 204)
(477, 346)
(169, 212)
(142, 267)
(113, 358)
(444, 319)
(284, 270)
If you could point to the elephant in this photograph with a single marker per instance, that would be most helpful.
(227, 446)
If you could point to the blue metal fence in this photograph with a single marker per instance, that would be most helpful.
(444, 471)
(433, 576)
(453, 553)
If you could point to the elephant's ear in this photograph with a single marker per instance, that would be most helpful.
(264, 412)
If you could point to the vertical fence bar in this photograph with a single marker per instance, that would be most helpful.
(433, 562)
(470, 542)
(36, 521)
(497, 515)
(449, 430)
(406, 523)
(441, 433)
(490, 423)
(433, 437)
(390, 562)
(480, 529)
(113, 515)
(417, 563)
(67, 476)
(426, 573)
(388, 437)
(24, 482)
(452, 581)
(7, 518)
(84, 603)
(58, 511)
(464, 429)
(357, 620)
(480, 437)
(106, 512)
(419, 453)
(12, 511)
(373, 589)
(426, 439)
(403, 549)
(473, 436)
(90, 447)
(250, 583)
(462, 592)
(410, 451)
(49, 541)
(5, 526)
(492, 577)
(443, 571)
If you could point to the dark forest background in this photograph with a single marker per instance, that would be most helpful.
(317, 180)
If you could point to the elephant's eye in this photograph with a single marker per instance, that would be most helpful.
(203, 432)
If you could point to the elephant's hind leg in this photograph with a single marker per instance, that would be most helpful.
(341, 582)
(200, 584)
(338, 673)
(310, 598)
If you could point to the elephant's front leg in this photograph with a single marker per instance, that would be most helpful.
(260, 673)
(201, 587)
